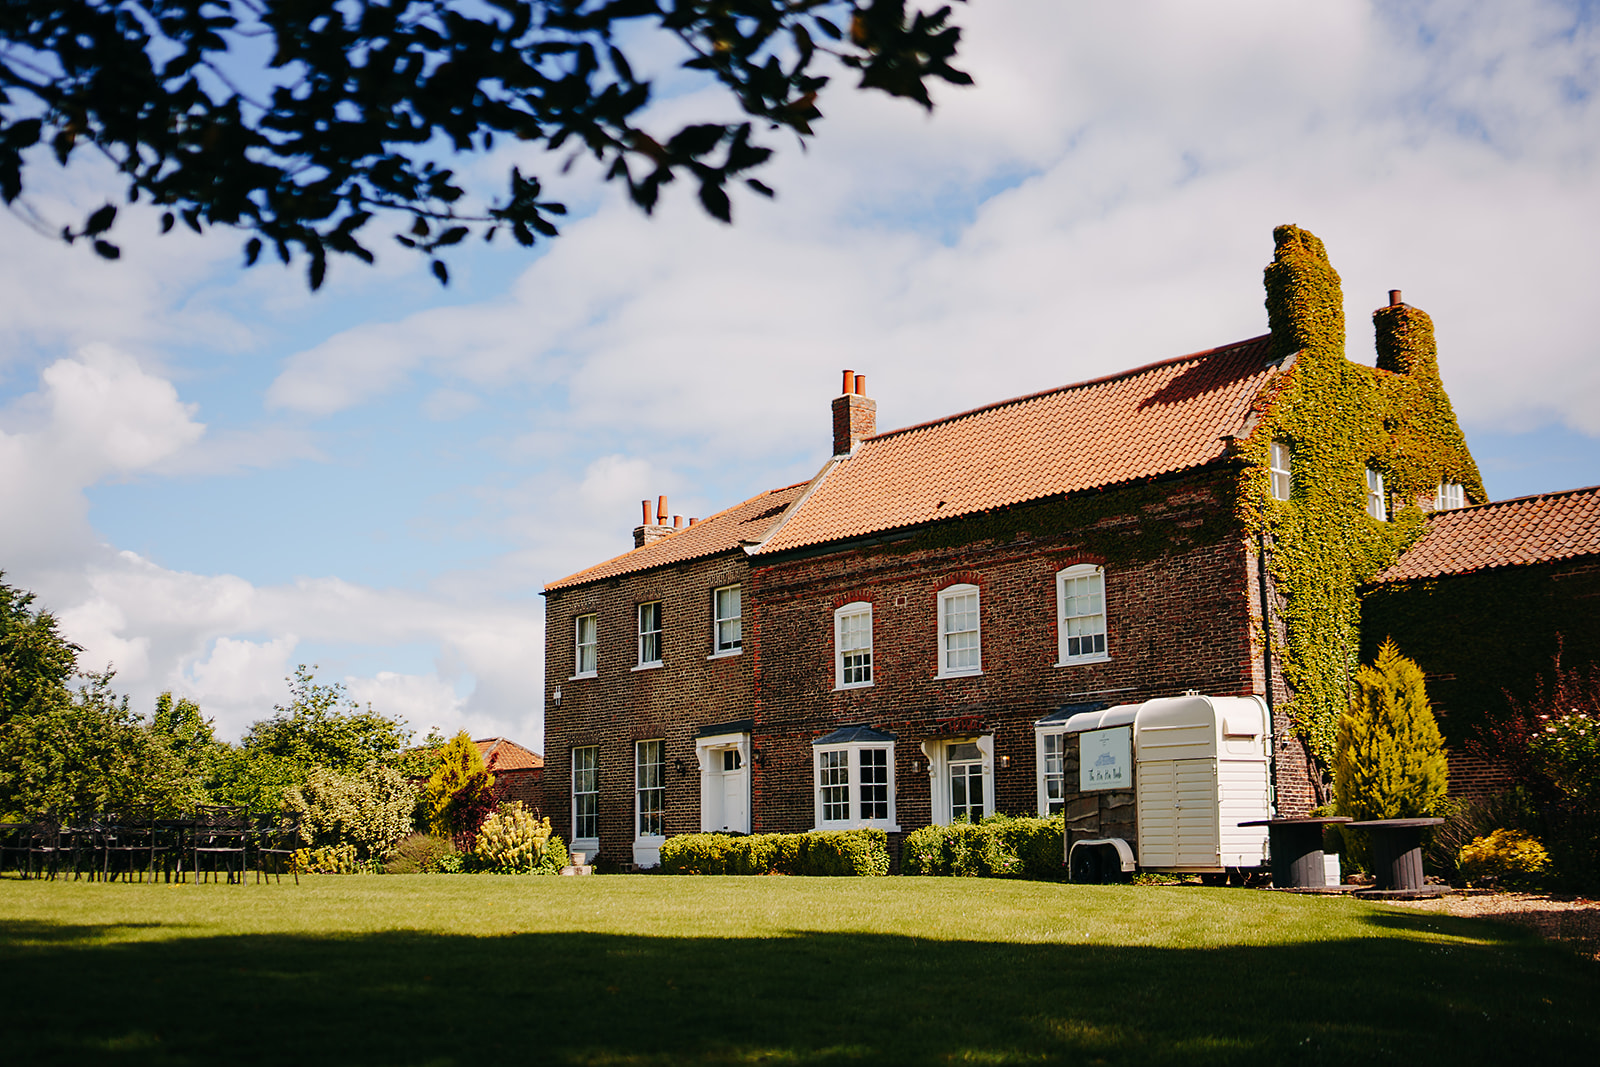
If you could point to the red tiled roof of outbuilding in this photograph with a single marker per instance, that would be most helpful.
(1166, 417)
(1507, 533)
(499, 754)
(723, 531)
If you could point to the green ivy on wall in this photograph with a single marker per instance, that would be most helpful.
(1339, 418)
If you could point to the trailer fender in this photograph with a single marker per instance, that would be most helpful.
(1100, 859)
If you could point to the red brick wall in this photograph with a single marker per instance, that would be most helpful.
(622, 705)
(526, 785)
(1174, 624)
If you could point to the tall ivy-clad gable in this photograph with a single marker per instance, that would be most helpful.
(1350, 427)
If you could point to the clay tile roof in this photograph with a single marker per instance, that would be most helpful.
(500, 754)
(722, 532)
(1507, 533)
(1154, 420)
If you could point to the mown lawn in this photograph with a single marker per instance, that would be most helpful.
(644, 970)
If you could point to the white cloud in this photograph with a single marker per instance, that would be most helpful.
(1103, 198)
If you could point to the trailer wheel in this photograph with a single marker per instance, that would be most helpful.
(1086, 866)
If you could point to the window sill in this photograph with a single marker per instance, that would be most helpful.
(959, 674)
(726, 655)
(1076, 661)
(852, 685)
(581, 677)
(875, 824)
(647, 666)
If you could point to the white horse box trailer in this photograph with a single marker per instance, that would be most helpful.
(1199, 769)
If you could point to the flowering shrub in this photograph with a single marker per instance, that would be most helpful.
(513, 841)
(1506, 857)
(1568, 751)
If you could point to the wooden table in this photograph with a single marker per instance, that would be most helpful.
(1296, 845)
(1396, 848)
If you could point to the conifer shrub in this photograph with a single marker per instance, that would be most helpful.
(1507, 858)
(420, 854)
(460, 792)
(1389, 758)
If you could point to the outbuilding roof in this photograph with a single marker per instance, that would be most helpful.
(1507, 533)
(500, 754)
(722, 532)
(1154, 420)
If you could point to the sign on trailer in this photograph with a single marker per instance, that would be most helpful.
(1105, 759)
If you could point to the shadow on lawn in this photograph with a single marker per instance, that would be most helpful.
(568, 998)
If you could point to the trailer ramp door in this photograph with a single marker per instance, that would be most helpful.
(1177, 809)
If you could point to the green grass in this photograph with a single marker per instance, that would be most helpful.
(644, 970)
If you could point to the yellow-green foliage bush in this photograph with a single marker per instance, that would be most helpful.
(329, 859)
(513, 840)
(1506, 857)
(822, 852)
(369, 809)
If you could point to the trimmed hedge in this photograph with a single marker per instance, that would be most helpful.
(825, 852)
(1001, 846)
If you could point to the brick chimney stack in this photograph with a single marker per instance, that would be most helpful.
(652, 531)
(855, 415)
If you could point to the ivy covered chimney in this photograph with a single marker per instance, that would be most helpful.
(1405, 339)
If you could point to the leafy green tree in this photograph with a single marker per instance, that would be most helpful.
(1389, 759)
(91, 753)
(460, 792)
(36, 662)
(256, 780)
(322, 725)
(358, 98)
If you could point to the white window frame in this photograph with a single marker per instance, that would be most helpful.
(1043, 738)
(581, 843)
(852, 751)
(855, 610)
(659, 633)
(947, 594)
(1449, 496)
(640, 788)
(1377, 500)
(1281, 466)
(937, 750)
(1075, 573)
(719, 621)
(579, 645)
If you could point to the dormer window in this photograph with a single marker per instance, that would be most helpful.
(1450, 495)
(1377, 506)
(1282, 478)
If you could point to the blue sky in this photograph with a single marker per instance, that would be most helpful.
(212, 475)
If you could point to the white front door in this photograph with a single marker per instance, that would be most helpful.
(735, 791)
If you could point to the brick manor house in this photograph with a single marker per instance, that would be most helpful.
(900, 640)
